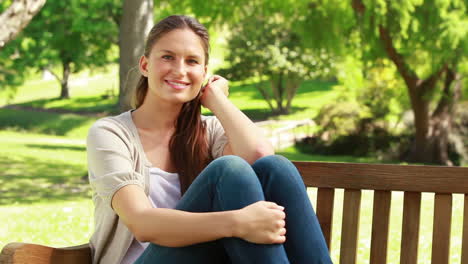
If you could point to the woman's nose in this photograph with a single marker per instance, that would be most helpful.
(179, 67)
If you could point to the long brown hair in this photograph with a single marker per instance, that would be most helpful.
(188, 146)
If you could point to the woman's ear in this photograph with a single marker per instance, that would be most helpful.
(143, 66)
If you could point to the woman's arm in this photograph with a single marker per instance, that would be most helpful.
(245, 138)
(261, 222)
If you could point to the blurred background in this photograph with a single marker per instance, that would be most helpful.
(373, 81)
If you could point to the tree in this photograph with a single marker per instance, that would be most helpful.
(426, 40)
(16, 17)
(64, 38)
(136, 22)
(265, 48)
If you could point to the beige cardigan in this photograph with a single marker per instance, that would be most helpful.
(116, 159)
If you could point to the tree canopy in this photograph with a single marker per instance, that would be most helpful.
(63, 38)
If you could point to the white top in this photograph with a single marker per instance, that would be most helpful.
(164, 193)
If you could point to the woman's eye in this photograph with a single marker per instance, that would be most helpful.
(192, 61)
(167, 57)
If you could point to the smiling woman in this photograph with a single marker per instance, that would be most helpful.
(173, 186)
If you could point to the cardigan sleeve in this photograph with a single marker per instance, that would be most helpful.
(217, 136)
(110, 163)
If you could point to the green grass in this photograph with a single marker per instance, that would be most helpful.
(44, 194)
(57, 224)
(70, 125)
(39, 169)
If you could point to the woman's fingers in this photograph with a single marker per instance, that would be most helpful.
(273, 205)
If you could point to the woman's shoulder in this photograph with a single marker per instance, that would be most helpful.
(119, 124)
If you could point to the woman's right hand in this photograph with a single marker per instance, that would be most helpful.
(262, 223)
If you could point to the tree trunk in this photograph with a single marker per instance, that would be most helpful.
(292, 84)
(277, 87)
(64, 92)
(432, 147)
(136, 22)
(16, 17)
(263, 91)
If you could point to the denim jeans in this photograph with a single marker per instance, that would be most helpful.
(230, 183)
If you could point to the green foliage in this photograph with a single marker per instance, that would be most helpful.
(264, 48)
(63, 32)
(428, 34)
(370, 105)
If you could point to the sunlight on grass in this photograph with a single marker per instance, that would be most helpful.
(39, 168)
(54, 224)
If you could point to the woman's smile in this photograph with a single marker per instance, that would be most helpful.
(179, 85)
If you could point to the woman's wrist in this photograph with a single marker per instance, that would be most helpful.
(216, 101)
(235, 224)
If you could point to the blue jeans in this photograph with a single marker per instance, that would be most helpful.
(230, 183)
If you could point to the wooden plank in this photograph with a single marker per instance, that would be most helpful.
(464, 254)
(350, 226)
(410, 228)
(437, 179)
(20, 253)
(441, 228)
(380, 227)
(325, 201)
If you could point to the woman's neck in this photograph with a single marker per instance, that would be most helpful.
(156, 116)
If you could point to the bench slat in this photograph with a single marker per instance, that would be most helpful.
(441, 228)
(410, 228)
(350, 227)
(464, 254)
(384, 177)
(325, 201)
(380, 227)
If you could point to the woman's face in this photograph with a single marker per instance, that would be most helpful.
(175, 67)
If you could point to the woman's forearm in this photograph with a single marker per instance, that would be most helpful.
(245, 138)
(175, 228)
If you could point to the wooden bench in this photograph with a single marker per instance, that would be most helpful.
(353, 178)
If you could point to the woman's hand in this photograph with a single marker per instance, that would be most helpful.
(262, 223)
(215, 87)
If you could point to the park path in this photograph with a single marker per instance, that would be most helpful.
(285, 133)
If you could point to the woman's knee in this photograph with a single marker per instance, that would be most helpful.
(233, 169)
(277, 167)
(273, 162)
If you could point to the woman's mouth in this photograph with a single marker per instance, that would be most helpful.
(179, 85)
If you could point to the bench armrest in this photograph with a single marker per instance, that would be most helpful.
(16, 253)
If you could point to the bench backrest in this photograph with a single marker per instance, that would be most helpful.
(383, 179)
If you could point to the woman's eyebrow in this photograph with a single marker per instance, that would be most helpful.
(167, 51)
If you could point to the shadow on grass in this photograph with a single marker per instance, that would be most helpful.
(261, 114)
(26, 180)
(56, 147)
(40, 122)
(78, 105)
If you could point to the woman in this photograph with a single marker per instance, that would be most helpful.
(172, 186)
